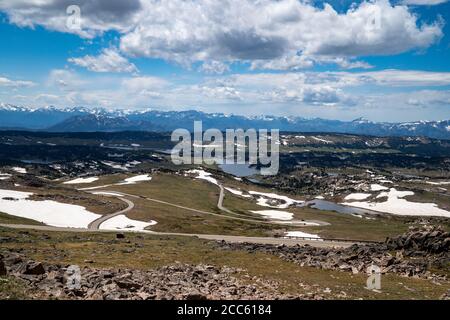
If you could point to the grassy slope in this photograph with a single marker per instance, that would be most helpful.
(176, 189)
(172, 219)
(202, 195)
(6, 218)
(190, 193)
(12, 289)
(350, 227)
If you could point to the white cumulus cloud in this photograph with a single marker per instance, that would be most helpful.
(268, 34)
(274, 31)
(5, 82)
(214, 67)
(109, 60)
(423, 2)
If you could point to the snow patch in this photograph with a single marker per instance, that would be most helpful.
(50, 212)
(274, 214)
(398, 206)
(237, 192)
(122, 222)
(19, 170)
(266, 197)
(82, 180)
(115, 165)
(108, 193)
(357, 196)
(321, 140)
(202, 174)
(301, 234)
(135, 179)
(377, 187)
(4, 176)
(441, 183)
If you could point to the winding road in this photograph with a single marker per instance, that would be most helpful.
(292, 223)
(213, 237)
(95, 225)
(219, 205)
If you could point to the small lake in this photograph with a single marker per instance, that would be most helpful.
(331, 206)
(36, 161)
(238, 170)
(163, 151)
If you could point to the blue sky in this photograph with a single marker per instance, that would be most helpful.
(385, 61)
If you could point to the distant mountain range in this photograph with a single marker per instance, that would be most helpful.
(80, 119)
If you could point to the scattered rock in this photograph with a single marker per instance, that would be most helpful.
(33, 268)
(427, 239)
(417, 251)
(410, 255)
(3, 270)
(195, 296)
(178, 281)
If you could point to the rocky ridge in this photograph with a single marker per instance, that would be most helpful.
(410, 254)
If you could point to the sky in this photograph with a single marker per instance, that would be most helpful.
(383, 60)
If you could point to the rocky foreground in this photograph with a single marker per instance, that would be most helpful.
(412, 254)
(180, 281)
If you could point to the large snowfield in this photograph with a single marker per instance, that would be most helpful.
(395, 204)
(50, 212)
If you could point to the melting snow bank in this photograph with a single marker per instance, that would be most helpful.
(202, 174)
(82, 180)
(19, 170)
(131, 180)
(4, 176)
(135, 179)
(108, 193)
(237, 192)
(321, 140)
(274, 214)
(283, 217)
(48, 211)
(442, 183)
(122, 222)
(396, 205)
(377, 187)
(266, 198)
(301, 234)
(115, 165)
(357, 196)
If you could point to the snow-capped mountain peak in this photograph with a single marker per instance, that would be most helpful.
(83, 118)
